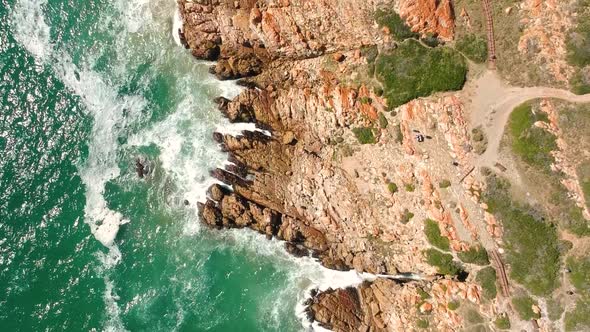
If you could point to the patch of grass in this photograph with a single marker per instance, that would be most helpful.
(532, 246)
(454, 305)
(383, 121)
(486, 277)
(423, 294)
(434, 236)
(444, 184)
(554, 309)
(532, 144)
(392, 187)
(396, 25)
(583, 173)
(365, 135)
(524, 307)
(410, 187)
(580, 275)
(444, 262)
(475, 48)
(502, 322)
(412, 71)
(473, 317)
(580, 81)
(422, 323)
(578, 43)
(475, 255)
(579, 318)
(406, 216)
(397, 131)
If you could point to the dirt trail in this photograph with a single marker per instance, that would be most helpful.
(492, 102)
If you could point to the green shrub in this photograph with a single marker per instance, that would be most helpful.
(454, 305)
(532, 144)
(423, 294)
(430, 40)
(396, 25)
(406, 216)
(434, 236)
(579, 318)
(364, 135)
(444, 262)
(410, 187)
(502, 322)
(580, 272)
(422, 324)
(473, 317)
(383, 121)
(532, 246)
(475, 255)
(412, 70)
(475, 48)
(486, 277)
(524, 307)
(399, 137)
(554, 309)
(580, 82)
(578, 43)
(366, 100)
(444, 184)
(392, 187)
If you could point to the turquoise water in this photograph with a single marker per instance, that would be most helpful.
(87, 87)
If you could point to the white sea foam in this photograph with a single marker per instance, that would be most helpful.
(30, 29)
(177, 25)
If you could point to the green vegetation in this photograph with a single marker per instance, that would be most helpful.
(410, 187)
(554, 309)
(475, 48)
(434, 236)
(364, 135)
(531, 143)
(475, 255)
(580, 275)
(578, 43)
(422, 324)
(406, 216)
(392, 187)
(524, 307)
(366, 100)
(444, 184)
(383, 121)
(473, 317)
(396, 25)
(583, 173)
(502, 322)
(397, 131)
(454, 305)
(486, 277)
(412, 71)
(444, 262)
(423, 294)
(579, 318)
(580, 82)
(531, 243)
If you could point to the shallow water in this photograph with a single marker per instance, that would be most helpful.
(86, 88)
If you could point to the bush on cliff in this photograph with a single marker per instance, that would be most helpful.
(444, 262)
(364, 135)
(486, 277)
(532, 246)
(396, 25)
(578, 43)
(475, 255)
(434, 236)
(412, 70)
(475, 48)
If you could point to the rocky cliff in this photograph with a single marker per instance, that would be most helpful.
(304, 65)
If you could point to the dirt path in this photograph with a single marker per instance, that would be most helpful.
(492, 102)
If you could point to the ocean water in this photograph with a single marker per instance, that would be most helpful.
(86, 88)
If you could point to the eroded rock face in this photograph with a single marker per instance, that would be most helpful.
(310, 183)
(429, 17)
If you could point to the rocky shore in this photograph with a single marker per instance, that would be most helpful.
(308, 72)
